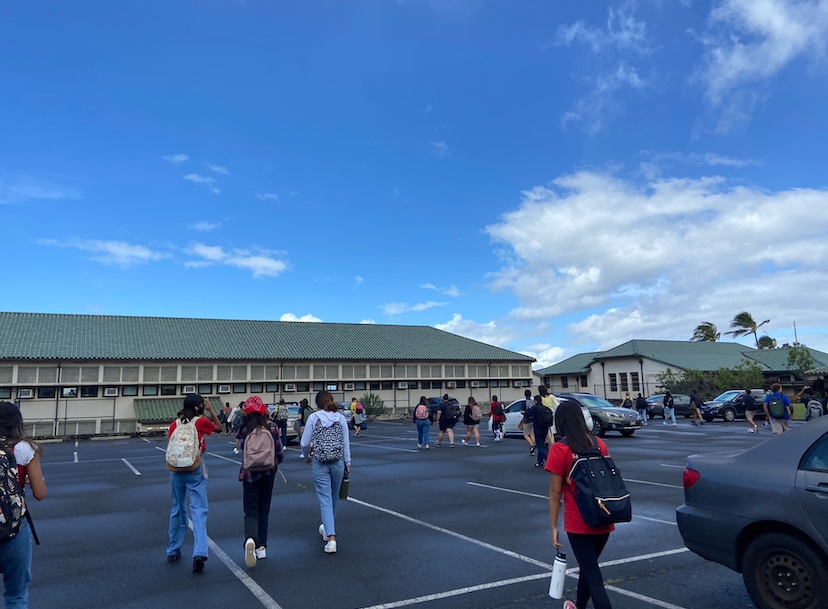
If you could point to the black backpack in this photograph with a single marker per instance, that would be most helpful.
(452, 411)
(543, 416)
(499, 409)
(601, 495)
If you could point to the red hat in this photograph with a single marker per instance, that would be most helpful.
(254, 404)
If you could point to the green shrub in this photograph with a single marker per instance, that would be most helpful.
(374, 405)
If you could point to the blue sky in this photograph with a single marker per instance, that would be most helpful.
(550, 177)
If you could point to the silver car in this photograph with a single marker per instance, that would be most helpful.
(513, 418)
(764, 513)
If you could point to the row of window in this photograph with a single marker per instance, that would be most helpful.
(94, 391)
(89, 375)
(575, 379)
(620, 379)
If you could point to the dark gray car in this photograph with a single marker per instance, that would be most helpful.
(769, 523)
(681, 404)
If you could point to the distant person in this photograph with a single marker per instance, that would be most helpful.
(528, 413)
(305, 411)
(587, 542)
(696, 404)
(750, 410)
(471, 419)
(227, 410)
(627, 401)
(669, 407)
(280, 416)
(326, 447)
(813, 407)
(544, 416)
(358, 416)
(192, 484)
(446, 420)
(257, 483)
(641, 407)
(778, 409)
(16, 553)
(422, 419)
(498, 417)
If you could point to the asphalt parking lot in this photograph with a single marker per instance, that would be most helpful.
(444, 528)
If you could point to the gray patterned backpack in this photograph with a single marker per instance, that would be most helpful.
(328, 442)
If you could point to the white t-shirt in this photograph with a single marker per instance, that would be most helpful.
(23, 453)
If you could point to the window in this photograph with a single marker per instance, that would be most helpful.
(239, 387)
(564, 382)
(434, 371)
(478, 371)
(353, 372)
(406, 371)
(325, 371)
(118, 374)
(46, 392)
(360, 386)
(129, 390)
(316, 386)
(816, 459)
(89, 391)
(256, 387)
(520, 370)
(636, 386)
(613, 382)
(386, 385)
(69, 392)
(625, 386)
(236, 372)
(385, 371)
(90, 374)
(331, 387)
(499, 371)
(6, 373)
(583, 381)
(149, 390)
(455, 371)
(169, 389)
(303, 387)
(272, 387)
(296, 372)
(263, 373)
(374, 386)
(154, 374)
(70, 374)
(205, 389)
(5, 393)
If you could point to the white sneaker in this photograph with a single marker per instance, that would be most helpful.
(463, 442)
(322, 532)
(261, 553)
(250, 552)
(751, 430)
(419, 445)
(478, 443)
(330, 547)
(235, 451)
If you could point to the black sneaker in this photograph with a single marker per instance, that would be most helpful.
(174, 557)
(198, 564)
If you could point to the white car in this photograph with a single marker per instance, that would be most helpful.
(513, 418)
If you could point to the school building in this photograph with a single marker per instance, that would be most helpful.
(94, 374)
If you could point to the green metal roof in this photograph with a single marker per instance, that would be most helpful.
(154, 410)
(686, 355)
(777, 359)
(41, 336)
(577, 364)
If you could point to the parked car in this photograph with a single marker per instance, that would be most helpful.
(513, 417)
(767, 523)
(293, 414)
(729, 408)
(681, 402)
(605, 416)
(434, 405)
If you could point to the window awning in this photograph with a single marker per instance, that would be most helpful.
(156, 410)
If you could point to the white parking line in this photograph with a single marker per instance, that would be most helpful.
(653, 483)
(129, 465)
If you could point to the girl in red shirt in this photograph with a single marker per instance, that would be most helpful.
(587, 542)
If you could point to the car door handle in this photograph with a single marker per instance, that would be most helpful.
(822, 487)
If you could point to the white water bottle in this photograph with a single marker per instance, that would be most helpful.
(556, 583)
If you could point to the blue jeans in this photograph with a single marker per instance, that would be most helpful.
(423, 427)
(256, 500)
(196, 484)
(327, 478)
(16, 566)
(670, 413)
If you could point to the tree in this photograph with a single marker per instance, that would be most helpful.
(374, 404)
(706, 332)
(766, 342)
(800, 359)
(748, 374)
(744, 325)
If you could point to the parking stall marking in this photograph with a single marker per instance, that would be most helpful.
(570, 572)
(130, 466)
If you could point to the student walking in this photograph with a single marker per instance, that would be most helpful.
(587, 542)
(471, 419)
(778, 409)
(192, 483)
(16, 553)
(358, 416)
(669, 409)
(257, 474)
(447, 417)
(326, 448)
(750, 410)
(422, 419)
(627, 401)
(641, 407)
(280, 417)
(498, 417)
(528, 412)
(696, 403)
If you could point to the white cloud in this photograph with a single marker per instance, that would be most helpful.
(261, 264)
(545, 354)
(196, 178)
(368, 321)
(451, 290)
(749, 42)
(358, 280)
(440, 149)
(660, 258)
(176, 159)
(205, 226)
(489, 333)
(306, 318)
(601, 105)
(217, 168)
(398, 308)
(25, 188)
(116, 253)
(266, 196)
(622, 31)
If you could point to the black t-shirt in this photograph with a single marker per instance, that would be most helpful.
(748, 401)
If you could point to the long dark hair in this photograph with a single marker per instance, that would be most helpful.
(193, 407)
(325, 401)
(252, 421)
(570, 424)
(11, 426)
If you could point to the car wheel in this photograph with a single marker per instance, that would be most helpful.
(729, 415)
(627, 433)
(597, 428)
(782, 572)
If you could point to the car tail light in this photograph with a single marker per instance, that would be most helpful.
(690, 477)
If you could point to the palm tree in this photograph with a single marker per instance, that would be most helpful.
(706, 332)
(766, 342)
(744, 325)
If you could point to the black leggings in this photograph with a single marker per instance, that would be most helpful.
(587, 548)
